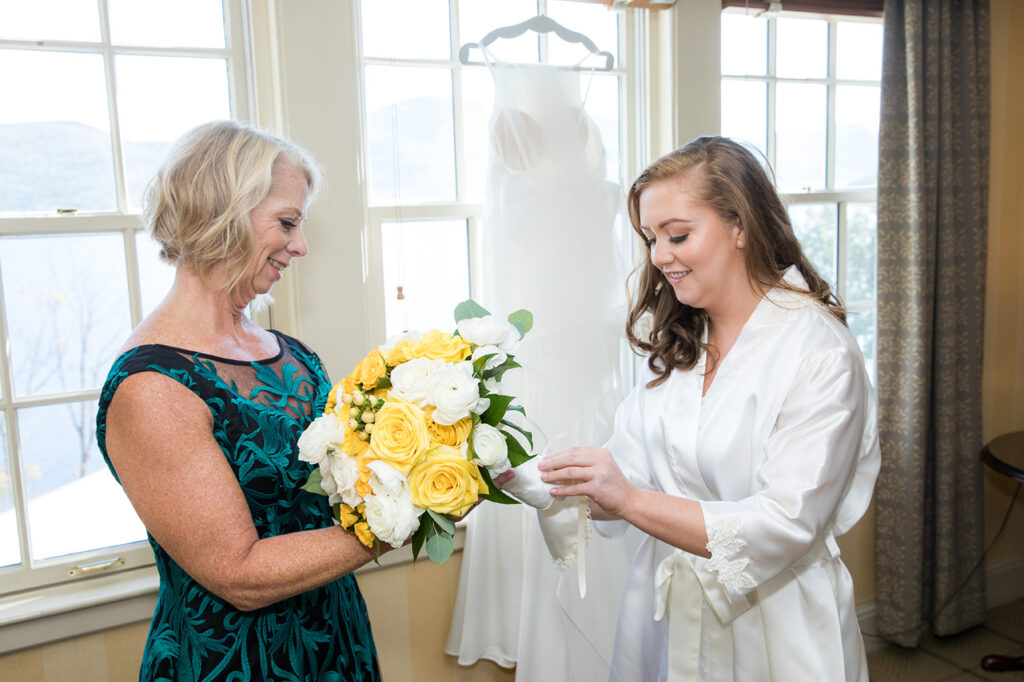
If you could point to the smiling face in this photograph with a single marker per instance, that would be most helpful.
(277, 230)
(700, 255)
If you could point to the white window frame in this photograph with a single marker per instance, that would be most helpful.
(632, 138)
(23, 587)
(841, 198)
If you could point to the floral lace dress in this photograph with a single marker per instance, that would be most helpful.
(259, 409)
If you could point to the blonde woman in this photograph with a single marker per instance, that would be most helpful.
(748, 445)
(199, 420)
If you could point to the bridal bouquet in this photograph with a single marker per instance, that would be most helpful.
(409, 440)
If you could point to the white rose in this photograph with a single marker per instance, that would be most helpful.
(319, 436)
(488, 331)
(490, 447)
(411, 380)
(389, 510)
(344, 475)
(454, 392)
(497, 358)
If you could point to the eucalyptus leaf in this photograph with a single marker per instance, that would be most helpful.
(440, 547)
(445, 523)
(521, 320)
(312, 484)
(469, 309)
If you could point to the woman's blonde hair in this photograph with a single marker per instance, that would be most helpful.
(740, 191)
(197, 206)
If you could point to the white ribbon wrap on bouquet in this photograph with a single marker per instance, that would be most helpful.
(564, 522)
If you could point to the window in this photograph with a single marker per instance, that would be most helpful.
(93, 95)
(805, 91)
(426, 133)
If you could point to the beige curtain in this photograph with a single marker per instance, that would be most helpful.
(932, 201)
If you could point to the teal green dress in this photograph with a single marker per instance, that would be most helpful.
(259, 409)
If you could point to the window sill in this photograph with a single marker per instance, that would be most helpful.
(37, 617)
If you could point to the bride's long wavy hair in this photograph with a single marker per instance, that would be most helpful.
(738, 188)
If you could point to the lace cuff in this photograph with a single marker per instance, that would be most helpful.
(724, 545)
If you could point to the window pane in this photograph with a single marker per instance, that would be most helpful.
(406, 29)
(10, 552)
(74, 504)
(477, 18)
(593, 21)
(155, 276)
(859, 50)
(802, 50)
(158, 99)
(744, 44)
(601, 102)
(426, 273)
(167, 23)
(816, 226)
(54, 132)
(800, 136)
(861, 253)
(857, 112)
(477, 102)
(49, 20)
(66, 299)
(745, 112)
(862, 322)
(410, 134)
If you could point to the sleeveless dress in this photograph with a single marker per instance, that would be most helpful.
(259, 409)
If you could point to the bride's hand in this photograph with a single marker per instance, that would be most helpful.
(501, 479)
(591, 472)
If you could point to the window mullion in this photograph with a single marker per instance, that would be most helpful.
(770, 137)
(13, 442)
(117, 148)
(830, 111)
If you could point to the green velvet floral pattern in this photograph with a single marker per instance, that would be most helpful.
(323, 634)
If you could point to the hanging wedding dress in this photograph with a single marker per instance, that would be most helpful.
(557, 245)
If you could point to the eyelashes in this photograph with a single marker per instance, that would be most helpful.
(651, 241)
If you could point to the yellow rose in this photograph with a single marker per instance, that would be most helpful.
(399, 434)
(440, 346)
(363, 483)
(332, 398)
(369, 370)
(454, 435)
(401, 352)
(446, 482)
(346, 515)
(363, 532)
(353, 444)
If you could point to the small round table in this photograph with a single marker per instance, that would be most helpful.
(1005, 454)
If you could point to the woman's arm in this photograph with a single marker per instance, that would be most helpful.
(160, 441)
(594, 473)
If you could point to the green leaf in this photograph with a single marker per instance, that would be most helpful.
(520, 429)
(469, 309)
(478, 365)
(499, 371)
(517, 408)
(499, 404)
(521, 320)
(418, 537)
(439, 545)
(516, 454)
(445, 523)
(493, 493)
(312, 484)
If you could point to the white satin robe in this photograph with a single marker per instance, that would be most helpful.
(782, 453)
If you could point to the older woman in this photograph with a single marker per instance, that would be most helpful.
(199, 420)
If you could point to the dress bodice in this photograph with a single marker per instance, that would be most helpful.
(258, 411)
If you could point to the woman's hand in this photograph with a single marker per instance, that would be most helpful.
(594, 473)
(501, 479)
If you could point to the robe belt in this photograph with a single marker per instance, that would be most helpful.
(679, 594)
